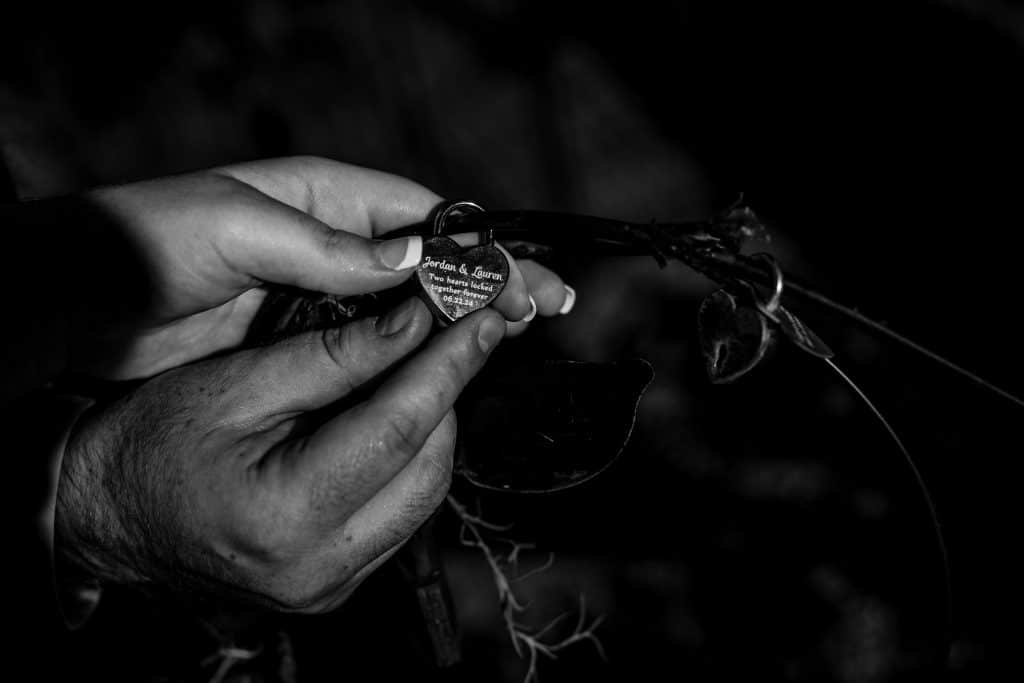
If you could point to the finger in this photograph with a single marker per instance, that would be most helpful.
(272, 242)
(550, 293)
(394, 513)
(345, 197)
(352, 457)
(516, 328)
(314, 369)
(514, 300)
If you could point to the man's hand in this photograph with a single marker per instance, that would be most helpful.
(171, 270)
(242, 474)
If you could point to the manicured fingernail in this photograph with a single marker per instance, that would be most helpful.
(401, 253)
(570, 300)
(533, 312)
(396, 319)
(490, 333)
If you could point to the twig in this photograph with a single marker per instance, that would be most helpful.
(526, 644)
(228, 656)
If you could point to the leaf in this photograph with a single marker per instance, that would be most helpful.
(800, 334)
(545, 426)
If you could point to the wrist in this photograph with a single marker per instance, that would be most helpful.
(88, 534)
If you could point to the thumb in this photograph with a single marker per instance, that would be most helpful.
(313, 369)
(282, 245)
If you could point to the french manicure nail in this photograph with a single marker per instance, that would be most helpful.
(402, 253)
(490, 333)
(570, 300)
(533, 312)
(396, 319)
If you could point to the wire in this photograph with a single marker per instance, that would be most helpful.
(936, 526)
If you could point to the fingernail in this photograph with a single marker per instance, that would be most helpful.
(533, 312)
(401, 253)
(396, 319)
(490, 333)
(570, 300)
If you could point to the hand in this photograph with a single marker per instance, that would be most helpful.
(183, 259)
(225, 476)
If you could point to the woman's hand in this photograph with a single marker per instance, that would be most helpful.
(173, 268)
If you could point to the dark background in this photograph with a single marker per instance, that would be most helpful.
(766, 529)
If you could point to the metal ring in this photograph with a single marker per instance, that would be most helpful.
(773, 303)
(451, 209)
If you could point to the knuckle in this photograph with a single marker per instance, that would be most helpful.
(432, 486)
(434, 476)
(432, 472)
(400, 434)
(339, 344)
(338, 242)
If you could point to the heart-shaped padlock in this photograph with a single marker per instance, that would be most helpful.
(457, 281)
